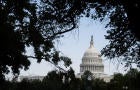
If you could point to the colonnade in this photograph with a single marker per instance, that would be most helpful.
(91, 68)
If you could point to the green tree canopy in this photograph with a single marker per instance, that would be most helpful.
(123, 33)
(25, 23)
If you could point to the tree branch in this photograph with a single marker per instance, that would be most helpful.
(62, 32)
(49, 62)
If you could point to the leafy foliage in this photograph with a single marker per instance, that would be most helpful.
(25, 23)
(13, 35)
(55, 81)
(129, 81)
(123, 33)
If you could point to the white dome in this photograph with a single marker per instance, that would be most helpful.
(91, 52)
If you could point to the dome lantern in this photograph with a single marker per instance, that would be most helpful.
(91, 42)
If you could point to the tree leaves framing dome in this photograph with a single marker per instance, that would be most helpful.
(25, 23)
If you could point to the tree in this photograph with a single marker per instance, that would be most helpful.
(124, 39)
(87, 79)
(53, 78)
(24, 24)
(13, 35)
(128, 81)
(132, 80)
(123, 35)
(99, 84)
(117, 83)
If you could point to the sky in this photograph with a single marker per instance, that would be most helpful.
(73, 45)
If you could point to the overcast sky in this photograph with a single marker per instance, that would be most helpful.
(73, 45)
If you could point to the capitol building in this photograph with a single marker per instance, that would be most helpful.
(92, 61)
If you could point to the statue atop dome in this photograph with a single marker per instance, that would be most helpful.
(91, 42)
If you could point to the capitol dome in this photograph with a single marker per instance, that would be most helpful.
(91, 60)
(91, 52)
